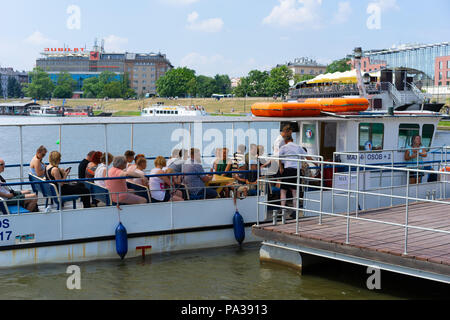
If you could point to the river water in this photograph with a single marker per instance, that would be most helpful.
(223, 273)
(229, 273)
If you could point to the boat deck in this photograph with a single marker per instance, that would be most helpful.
(427, 251)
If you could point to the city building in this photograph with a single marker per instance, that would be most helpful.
(305, 66)
(235, 82)
(424, 58)
(442, 71)
(6, 73)
(369, 65)
(143, 69)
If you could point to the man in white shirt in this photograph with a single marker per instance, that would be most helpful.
(279, 142)
(288, 169)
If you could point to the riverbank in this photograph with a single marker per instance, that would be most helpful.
(120, 107)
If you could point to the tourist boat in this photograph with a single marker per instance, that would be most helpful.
(78, 112)
(378, 136)
(46, 111)
(160, 110)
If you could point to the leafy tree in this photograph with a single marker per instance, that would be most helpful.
(243, 88)
(278, 81)
(339, 66)
(1, 88)
(112, 90)
(65, 86)
(222, 84)
(106, 77)
(13, 89)
(41, 86)
(176, 82)
(303, 77)
(192, 87)
(91, 88)
(206, 86)
(257, 82)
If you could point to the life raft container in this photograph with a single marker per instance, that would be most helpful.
(286, 109)
(341, 104)
(309, 107)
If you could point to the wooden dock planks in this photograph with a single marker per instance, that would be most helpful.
(375, 240)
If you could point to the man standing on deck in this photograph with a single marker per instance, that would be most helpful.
(286, 131)
(289, 171)
(83, 165)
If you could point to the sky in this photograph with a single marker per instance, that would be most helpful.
(216, 36)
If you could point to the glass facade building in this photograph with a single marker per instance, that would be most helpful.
(419, 57)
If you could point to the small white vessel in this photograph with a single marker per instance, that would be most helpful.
(46, 111)
(159, 110)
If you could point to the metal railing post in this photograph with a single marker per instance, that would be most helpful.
(406, 216)
(298, 198)
(21, 156)
(348, 203)
(321, 190)
(392, 178)
(257, 193)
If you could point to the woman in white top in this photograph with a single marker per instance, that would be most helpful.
(100, 172)
(160, 186)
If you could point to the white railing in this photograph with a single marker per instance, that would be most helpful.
(354, 214)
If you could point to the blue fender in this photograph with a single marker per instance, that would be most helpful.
(239, 228)
(121, 241)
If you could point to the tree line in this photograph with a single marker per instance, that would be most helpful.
(13, 89)
(182, 82)
(178, 82)
(108, 84)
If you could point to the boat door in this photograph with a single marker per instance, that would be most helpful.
(328, 134)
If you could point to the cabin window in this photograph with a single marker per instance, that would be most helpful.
(371, 136)
(176, 112)
(151, 111)
(405, 134)
(427, 134)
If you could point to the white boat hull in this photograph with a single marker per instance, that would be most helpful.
(86, 235)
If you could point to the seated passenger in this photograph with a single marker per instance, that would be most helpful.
(129, 156)
(102, 168)
(133, 166)
(196, 183)
(83, 165)
(239, 157)
(93, 165)
(160, 186)
(222, 163)
(141, 165)
(53, 172)
(176, 155)
(118, 188)
(24, 198)
(37, 166)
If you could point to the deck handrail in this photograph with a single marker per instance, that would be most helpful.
(355, 193)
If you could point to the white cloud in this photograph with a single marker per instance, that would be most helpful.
(385, 5)
(205, 65)
(343, 13)
(295, 13)
(114, 43)
(208, 25)
(38, 39)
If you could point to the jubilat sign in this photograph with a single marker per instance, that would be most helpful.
(76, 50)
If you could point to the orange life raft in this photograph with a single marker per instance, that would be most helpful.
(286, 109)
(309, 107)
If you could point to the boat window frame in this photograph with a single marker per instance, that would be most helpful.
(430, 137)
(370, 138)
(414, 127)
